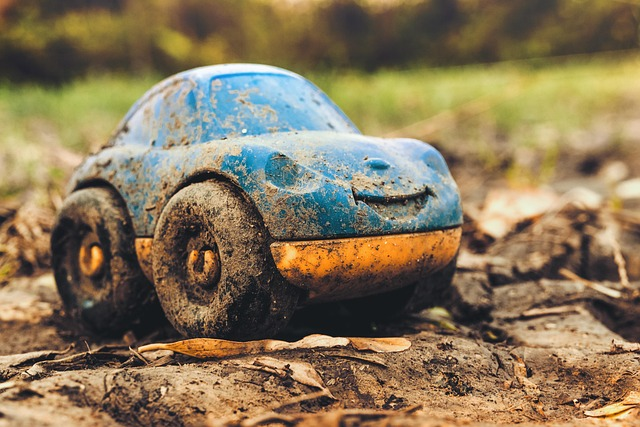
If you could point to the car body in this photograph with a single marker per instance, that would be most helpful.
(347, 215)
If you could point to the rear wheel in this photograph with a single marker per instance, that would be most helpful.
(213, 270)
(95, 265)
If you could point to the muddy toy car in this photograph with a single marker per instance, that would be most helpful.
(242, 192)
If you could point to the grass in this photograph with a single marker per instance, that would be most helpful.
(81, 114)
(563, 95)
(44, 128)
(529, 109)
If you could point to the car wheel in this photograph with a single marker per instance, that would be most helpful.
(95, 264)
(433, 290)
(213, 270)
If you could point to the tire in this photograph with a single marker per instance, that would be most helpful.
(434, 290)
(95, 264)
(213, 269)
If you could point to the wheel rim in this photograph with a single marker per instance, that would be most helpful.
(203, 267)
(91, 257)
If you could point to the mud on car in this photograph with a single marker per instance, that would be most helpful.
(233, 194)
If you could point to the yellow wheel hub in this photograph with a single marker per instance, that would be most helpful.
(203, 267)
(91, 259)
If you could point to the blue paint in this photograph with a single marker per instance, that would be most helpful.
(307, 168)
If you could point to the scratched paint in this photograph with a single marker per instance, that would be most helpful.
(298, 158)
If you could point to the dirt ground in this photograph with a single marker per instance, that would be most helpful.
(545, 308)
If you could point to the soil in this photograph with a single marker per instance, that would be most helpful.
(544, 330)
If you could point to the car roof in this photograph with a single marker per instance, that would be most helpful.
(204, 74)
(202, 77)
(223, 70)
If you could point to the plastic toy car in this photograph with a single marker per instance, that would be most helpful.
(242, 192)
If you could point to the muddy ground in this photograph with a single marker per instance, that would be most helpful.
(545, 309)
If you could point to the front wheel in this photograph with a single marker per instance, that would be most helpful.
(213, 270)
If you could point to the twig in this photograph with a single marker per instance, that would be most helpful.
(551, 311)
(612, 293)
(139, 356)
(610, 229)
(162, 361)
(304, 398)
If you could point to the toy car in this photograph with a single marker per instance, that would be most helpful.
(242, 192)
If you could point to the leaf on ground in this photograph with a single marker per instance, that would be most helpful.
(505, 208)
(381, 345)
(301, 372)
(618, 409)
(212, 348)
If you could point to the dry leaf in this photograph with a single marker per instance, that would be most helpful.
(211, 348)
(380, 345)
(505, 208)
(301, 372)
(618, 409)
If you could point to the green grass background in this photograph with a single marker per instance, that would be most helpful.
(534, 109)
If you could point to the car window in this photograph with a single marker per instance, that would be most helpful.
(181, 112)
(254, 104)
(166, 118)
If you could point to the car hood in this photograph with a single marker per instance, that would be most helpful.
(327, 184)
(376, 169)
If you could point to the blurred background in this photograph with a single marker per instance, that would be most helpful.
(523, 92)
(55, 41)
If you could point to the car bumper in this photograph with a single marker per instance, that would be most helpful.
(353, 267)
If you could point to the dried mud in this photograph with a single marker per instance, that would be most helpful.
(508, 364)
(530, 344)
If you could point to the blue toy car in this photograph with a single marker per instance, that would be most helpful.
(242, 192)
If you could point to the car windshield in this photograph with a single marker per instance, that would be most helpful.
(254, 104)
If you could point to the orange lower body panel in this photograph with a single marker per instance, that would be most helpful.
(352, 267)
(359, 266)
(144, 246)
